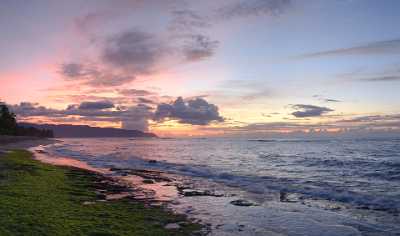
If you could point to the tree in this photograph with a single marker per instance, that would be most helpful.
(8, 123)
(9, 126)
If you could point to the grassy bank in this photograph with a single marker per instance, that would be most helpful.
(41, 199)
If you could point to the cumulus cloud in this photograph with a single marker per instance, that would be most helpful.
(309, 110)
(137, 117)
(195, 111)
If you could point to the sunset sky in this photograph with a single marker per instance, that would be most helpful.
(188, 68)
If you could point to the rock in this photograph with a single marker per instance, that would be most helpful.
(172, 226)
(115, 169)
(148, 181)
(282, 196)
(242, 202)
(193, 192)
(41, 151)
(152, 161)
(151, 174)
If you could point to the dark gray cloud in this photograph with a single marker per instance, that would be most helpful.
(309, 110)
(199, 47)
(135, 51)
(99, 105)
(129, 54)
(92, 76)
(186, 20)
(246, 8)
(374, 48)
(196, 112)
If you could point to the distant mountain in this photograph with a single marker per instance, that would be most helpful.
(84, 131)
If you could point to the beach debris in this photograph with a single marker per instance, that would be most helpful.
(242, 202)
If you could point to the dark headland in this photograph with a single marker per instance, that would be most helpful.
(84, 131)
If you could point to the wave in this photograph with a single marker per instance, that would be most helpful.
(255, 183)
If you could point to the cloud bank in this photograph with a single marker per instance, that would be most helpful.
(195, 111)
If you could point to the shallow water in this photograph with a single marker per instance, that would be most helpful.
(299, 187)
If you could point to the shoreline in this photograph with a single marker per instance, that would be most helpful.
(104, 191)
(221, 209)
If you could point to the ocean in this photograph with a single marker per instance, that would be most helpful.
(292, 186)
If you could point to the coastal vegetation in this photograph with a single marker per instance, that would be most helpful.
(42, 199)
(9, 126)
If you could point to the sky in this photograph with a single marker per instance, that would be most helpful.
(204, 68)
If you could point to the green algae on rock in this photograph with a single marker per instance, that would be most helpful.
(41, 199)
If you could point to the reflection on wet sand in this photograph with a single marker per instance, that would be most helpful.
(43, 156)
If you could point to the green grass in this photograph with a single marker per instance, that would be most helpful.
(41, 199)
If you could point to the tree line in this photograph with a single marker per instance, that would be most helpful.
(9, 126)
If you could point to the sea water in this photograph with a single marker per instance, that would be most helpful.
(298, 187)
